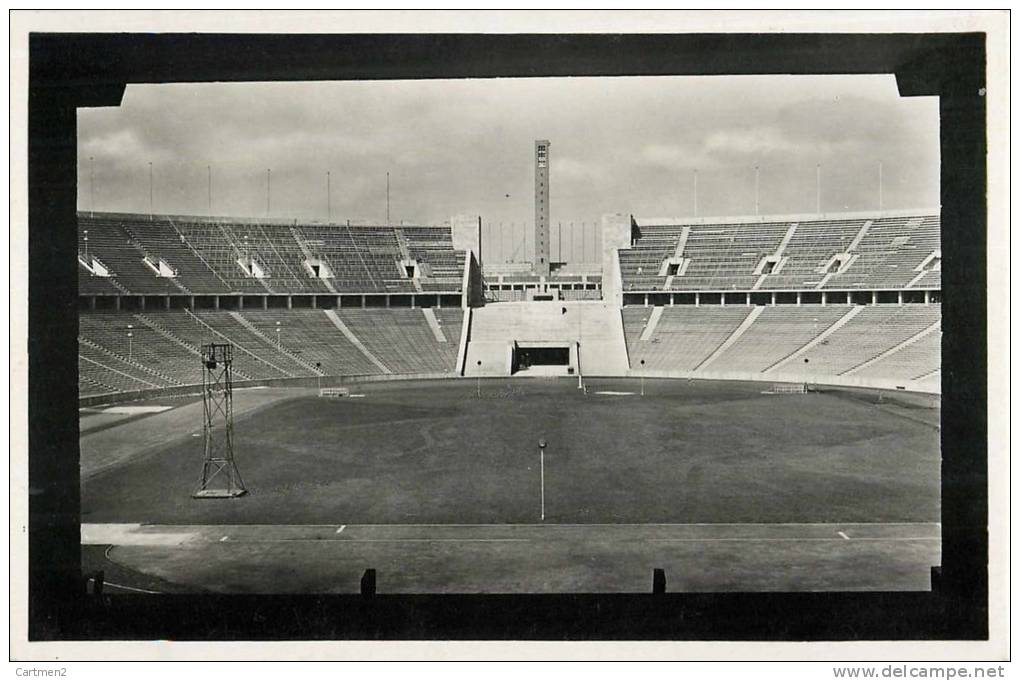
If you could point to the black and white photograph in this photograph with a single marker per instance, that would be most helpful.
(525, 336)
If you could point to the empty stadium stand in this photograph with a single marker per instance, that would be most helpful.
(849, 299)
(207, 256)
(884, 252)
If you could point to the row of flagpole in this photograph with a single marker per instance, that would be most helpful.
(818, 189)
(269, 179)
(329, 190)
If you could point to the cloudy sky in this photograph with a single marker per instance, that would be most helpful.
(626, 145)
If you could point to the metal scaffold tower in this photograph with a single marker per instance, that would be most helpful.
(220, 477)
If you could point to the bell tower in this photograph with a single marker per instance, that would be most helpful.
(541, 261)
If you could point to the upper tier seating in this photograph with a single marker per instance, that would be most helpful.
(210, 257)
(723, 257)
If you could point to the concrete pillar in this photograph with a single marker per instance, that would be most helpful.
(773, 299)
(412, 301)
(722, 300)
(616, 236)
(216, 302)
(387, 300)
(116, 303)
(92, 303)
(646, 300)
(825, 298)
(899, 297)
(363, 301)
(927, 297)
(290, 303)
(697, 299)
(166, 302)
(874, 297)
(798, 299)
(466, 235)
(671, 299)
(265, 302)
(141, 303)
(315, 302)
(848, 298)
(747, 298)
(338, 297)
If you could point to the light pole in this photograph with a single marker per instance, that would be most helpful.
(318, 377)
(130, 334)
(642, 378)
(278, 334)
(580, 383)
(86, 245)
(541, 467)
(478, 380)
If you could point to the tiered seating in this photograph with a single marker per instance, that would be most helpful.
(205, 255)
(278, 360)
(775, 334)
(724, 256)
(310, 335)
(222, 245)
(450, 319)
(160, 239)
(363, 259)
(684, 337)
(640, 265)
(121, 254)
(163, 360)
(402, 340)
(103, 376)
(889, 252)
(434, 247)
(917, 360)
(812, 246)
(873, 331)
(90, 285)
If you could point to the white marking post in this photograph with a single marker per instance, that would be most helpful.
(340, 529)
(541, 464)
(843, 534)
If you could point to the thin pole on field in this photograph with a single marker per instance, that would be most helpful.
(541, 466)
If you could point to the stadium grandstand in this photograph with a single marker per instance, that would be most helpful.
(850, 299)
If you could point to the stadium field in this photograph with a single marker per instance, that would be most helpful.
(439, 489)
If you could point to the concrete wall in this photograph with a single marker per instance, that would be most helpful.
(464, 232)
(616, 234)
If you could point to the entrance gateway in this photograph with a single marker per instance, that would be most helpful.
(543, 358)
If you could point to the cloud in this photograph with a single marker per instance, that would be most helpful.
(454, 146)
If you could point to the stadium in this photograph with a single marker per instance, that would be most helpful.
(744, 403)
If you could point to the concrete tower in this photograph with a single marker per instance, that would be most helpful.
(541, 261)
